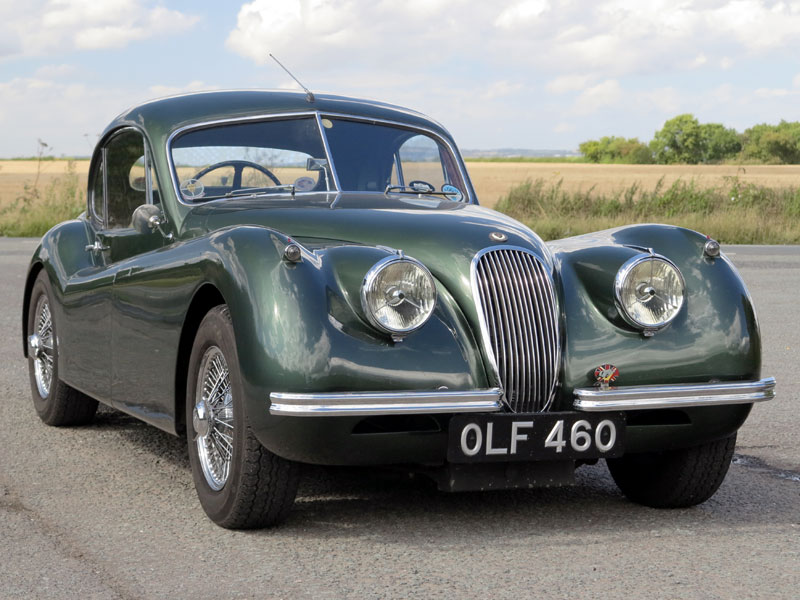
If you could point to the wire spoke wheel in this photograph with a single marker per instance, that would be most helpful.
(240, 484)
(42, 347)
(55, 402)
(213, 418)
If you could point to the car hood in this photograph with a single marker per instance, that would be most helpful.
(435, 231)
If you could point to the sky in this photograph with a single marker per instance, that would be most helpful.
(498, 74)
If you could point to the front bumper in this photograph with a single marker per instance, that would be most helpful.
(339, 404)
(648, 397)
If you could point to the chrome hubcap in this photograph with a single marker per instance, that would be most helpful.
(212, 418)
(40, 343)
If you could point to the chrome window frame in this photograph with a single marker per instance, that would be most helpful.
(318, 116)
(101, 222)
(148, 166)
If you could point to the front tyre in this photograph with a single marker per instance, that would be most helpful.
(240, 484)
(55, 402)
(674, 478)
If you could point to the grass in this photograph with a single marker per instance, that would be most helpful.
(37, 208)
(734, 212)
(528, 159)
(747, 204)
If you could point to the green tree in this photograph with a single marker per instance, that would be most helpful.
(718, 142)
(680, 140)
(774, 144)
(612, 149)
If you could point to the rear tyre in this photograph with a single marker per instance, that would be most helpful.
(55, 402)
(240, 484)
(674, 478)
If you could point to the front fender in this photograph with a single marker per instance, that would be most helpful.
(299, 326)
(714, 337)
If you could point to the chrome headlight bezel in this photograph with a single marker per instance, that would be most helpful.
(619, 282)
(369, 281)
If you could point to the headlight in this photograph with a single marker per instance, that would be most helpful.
(649, 291)
(398, 295)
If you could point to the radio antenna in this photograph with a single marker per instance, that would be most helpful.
(309, 95)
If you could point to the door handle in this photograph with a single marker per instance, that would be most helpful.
(96, 247)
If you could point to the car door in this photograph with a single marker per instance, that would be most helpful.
(85, 335)
(139, 337)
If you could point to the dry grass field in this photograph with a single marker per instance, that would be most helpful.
(744, 204)
(15, 174)
(492, 180)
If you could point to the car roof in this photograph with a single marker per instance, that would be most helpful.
(163, 115)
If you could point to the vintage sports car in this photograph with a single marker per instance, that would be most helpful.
(292, 279)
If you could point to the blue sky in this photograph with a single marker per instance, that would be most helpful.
(507, 73)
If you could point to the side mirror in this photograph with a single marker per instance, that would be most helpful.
(316, 164)
(147, 218)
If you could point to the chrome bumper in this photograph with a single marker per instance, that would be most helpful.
(338, 404)
(673, 396)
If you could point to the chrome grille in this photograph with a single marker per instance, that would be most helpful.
(517, 306)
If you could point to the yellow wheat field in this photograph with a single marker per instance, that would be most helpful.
(492, 180)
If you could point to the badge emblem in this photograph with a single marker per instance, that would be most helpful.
(605, 374)
(498, 236)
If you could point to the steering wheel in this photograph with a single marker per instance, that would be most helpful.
(238, 167)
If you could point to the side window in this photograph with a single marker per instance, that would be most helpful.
(126, 178)
(97, 204)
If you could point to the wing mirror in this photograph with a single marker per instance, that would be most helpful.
(319, 164)
(316, 164)
(147, 218)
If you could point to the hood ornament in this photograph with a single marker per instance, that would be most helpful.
(498, 236)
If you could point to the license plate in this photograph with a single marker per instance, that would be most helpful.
(540, 436)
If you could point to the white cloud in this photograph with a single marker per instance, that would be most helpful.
(610, 38)
(55, 71)
(698, 61)
(61, 25)
(605, 94)
(520, 14)
(796, 81)
(499, 89)
(62, 112)
(569, 83)
(774, 93)
(159, 91)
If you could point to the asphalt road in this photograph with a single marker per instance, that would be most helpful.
(109, 510)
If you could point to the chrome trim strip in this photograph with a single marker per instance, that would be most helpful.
(337, 404)
(328, 155)
(648, 397)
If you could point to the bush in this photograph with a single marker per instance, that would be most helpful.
(734, 212)
(616, 150)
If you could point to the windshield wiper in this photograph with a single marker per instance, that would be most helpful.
(253, 192)
(259, 190)
(406, 189)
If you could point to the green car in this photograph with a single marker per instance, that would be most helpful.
(290, 279)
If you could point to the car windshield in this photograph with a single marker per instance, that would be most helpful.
(288, 156)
